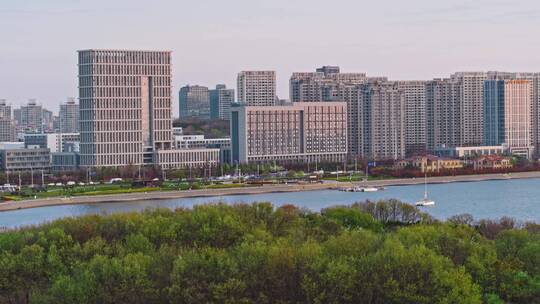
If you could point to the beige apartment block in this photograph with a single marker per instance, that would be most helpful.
(517, 116)
(471, 106)
(256, 88)
(381, 117)
(415, 116)
(310, 132)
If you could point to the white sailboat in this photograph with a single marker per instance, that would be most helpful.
(426, 201)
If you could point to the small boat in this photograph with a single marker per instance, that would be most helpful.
(426, 201)
(369, 189)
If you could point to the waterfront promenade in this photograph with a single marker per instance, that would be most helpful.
(160, 195)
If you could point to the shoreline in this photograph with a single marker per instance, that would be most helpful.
(162, 195)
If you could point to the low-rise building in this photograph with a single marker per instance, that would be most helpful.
(492, 162)
(56, 142)
(11, 145)
(200, 142)
(430, 163)
(185, 158)
(470, 152)
(65, 161)
(22, 159)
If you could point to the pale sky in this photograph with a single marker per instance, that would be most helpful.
(212, 40)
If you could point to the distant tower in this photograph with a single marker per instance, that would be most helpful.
(194, 102)
(32, 117)
(69, 116)
(221, 100)
(256, 88)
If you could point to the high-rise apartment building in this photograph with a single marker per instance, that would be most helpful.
(415, 116)
(507, 115)
(517, 116)
(69, 116)
(328, 84)
(256, 88)
(321, 85)
(17, 117)
(125, 106)
(381, 121)
(534, 79)
(5, 109)
(443, 112)
(31, 117)
(47, 119)
(7, 127)
(494, 112)
(221, 100)
(311, 132)
(7, 130)
(471, 106)
(194, 102)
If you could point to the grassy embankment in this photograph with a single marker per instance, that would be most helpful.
(107, 189)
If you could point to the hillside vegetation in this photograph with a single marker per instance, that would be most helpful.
(384, 252)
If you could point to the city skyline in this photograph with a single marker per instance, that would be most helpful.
(460, 37)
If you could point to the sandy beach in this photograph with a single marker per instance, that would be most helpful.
(160, 195)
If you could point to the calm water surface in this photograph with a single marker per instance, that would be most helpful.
(518, 198)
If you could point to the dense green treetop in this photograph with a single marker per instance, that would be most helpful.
(384, 252)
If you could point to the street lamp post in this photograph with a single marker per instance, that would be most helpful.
(31, 177)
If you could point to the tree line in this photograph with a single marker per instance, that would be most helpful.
(370, 252)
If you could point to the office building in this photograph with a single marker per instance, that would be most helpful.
(415, 116)
(69, 117)
(22, 159)
(65, 161)
(470, 152)
(185, 142)
(174, 159)
(302, 132)
(125, 106)
(221, 100)
(199, 141)
(381, 117)
(256, 88)
(194, 102)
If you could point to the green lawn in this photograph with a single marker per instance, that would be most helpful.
(108, 189)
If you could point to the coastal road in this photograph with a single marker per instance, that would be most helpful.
(160, 195)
